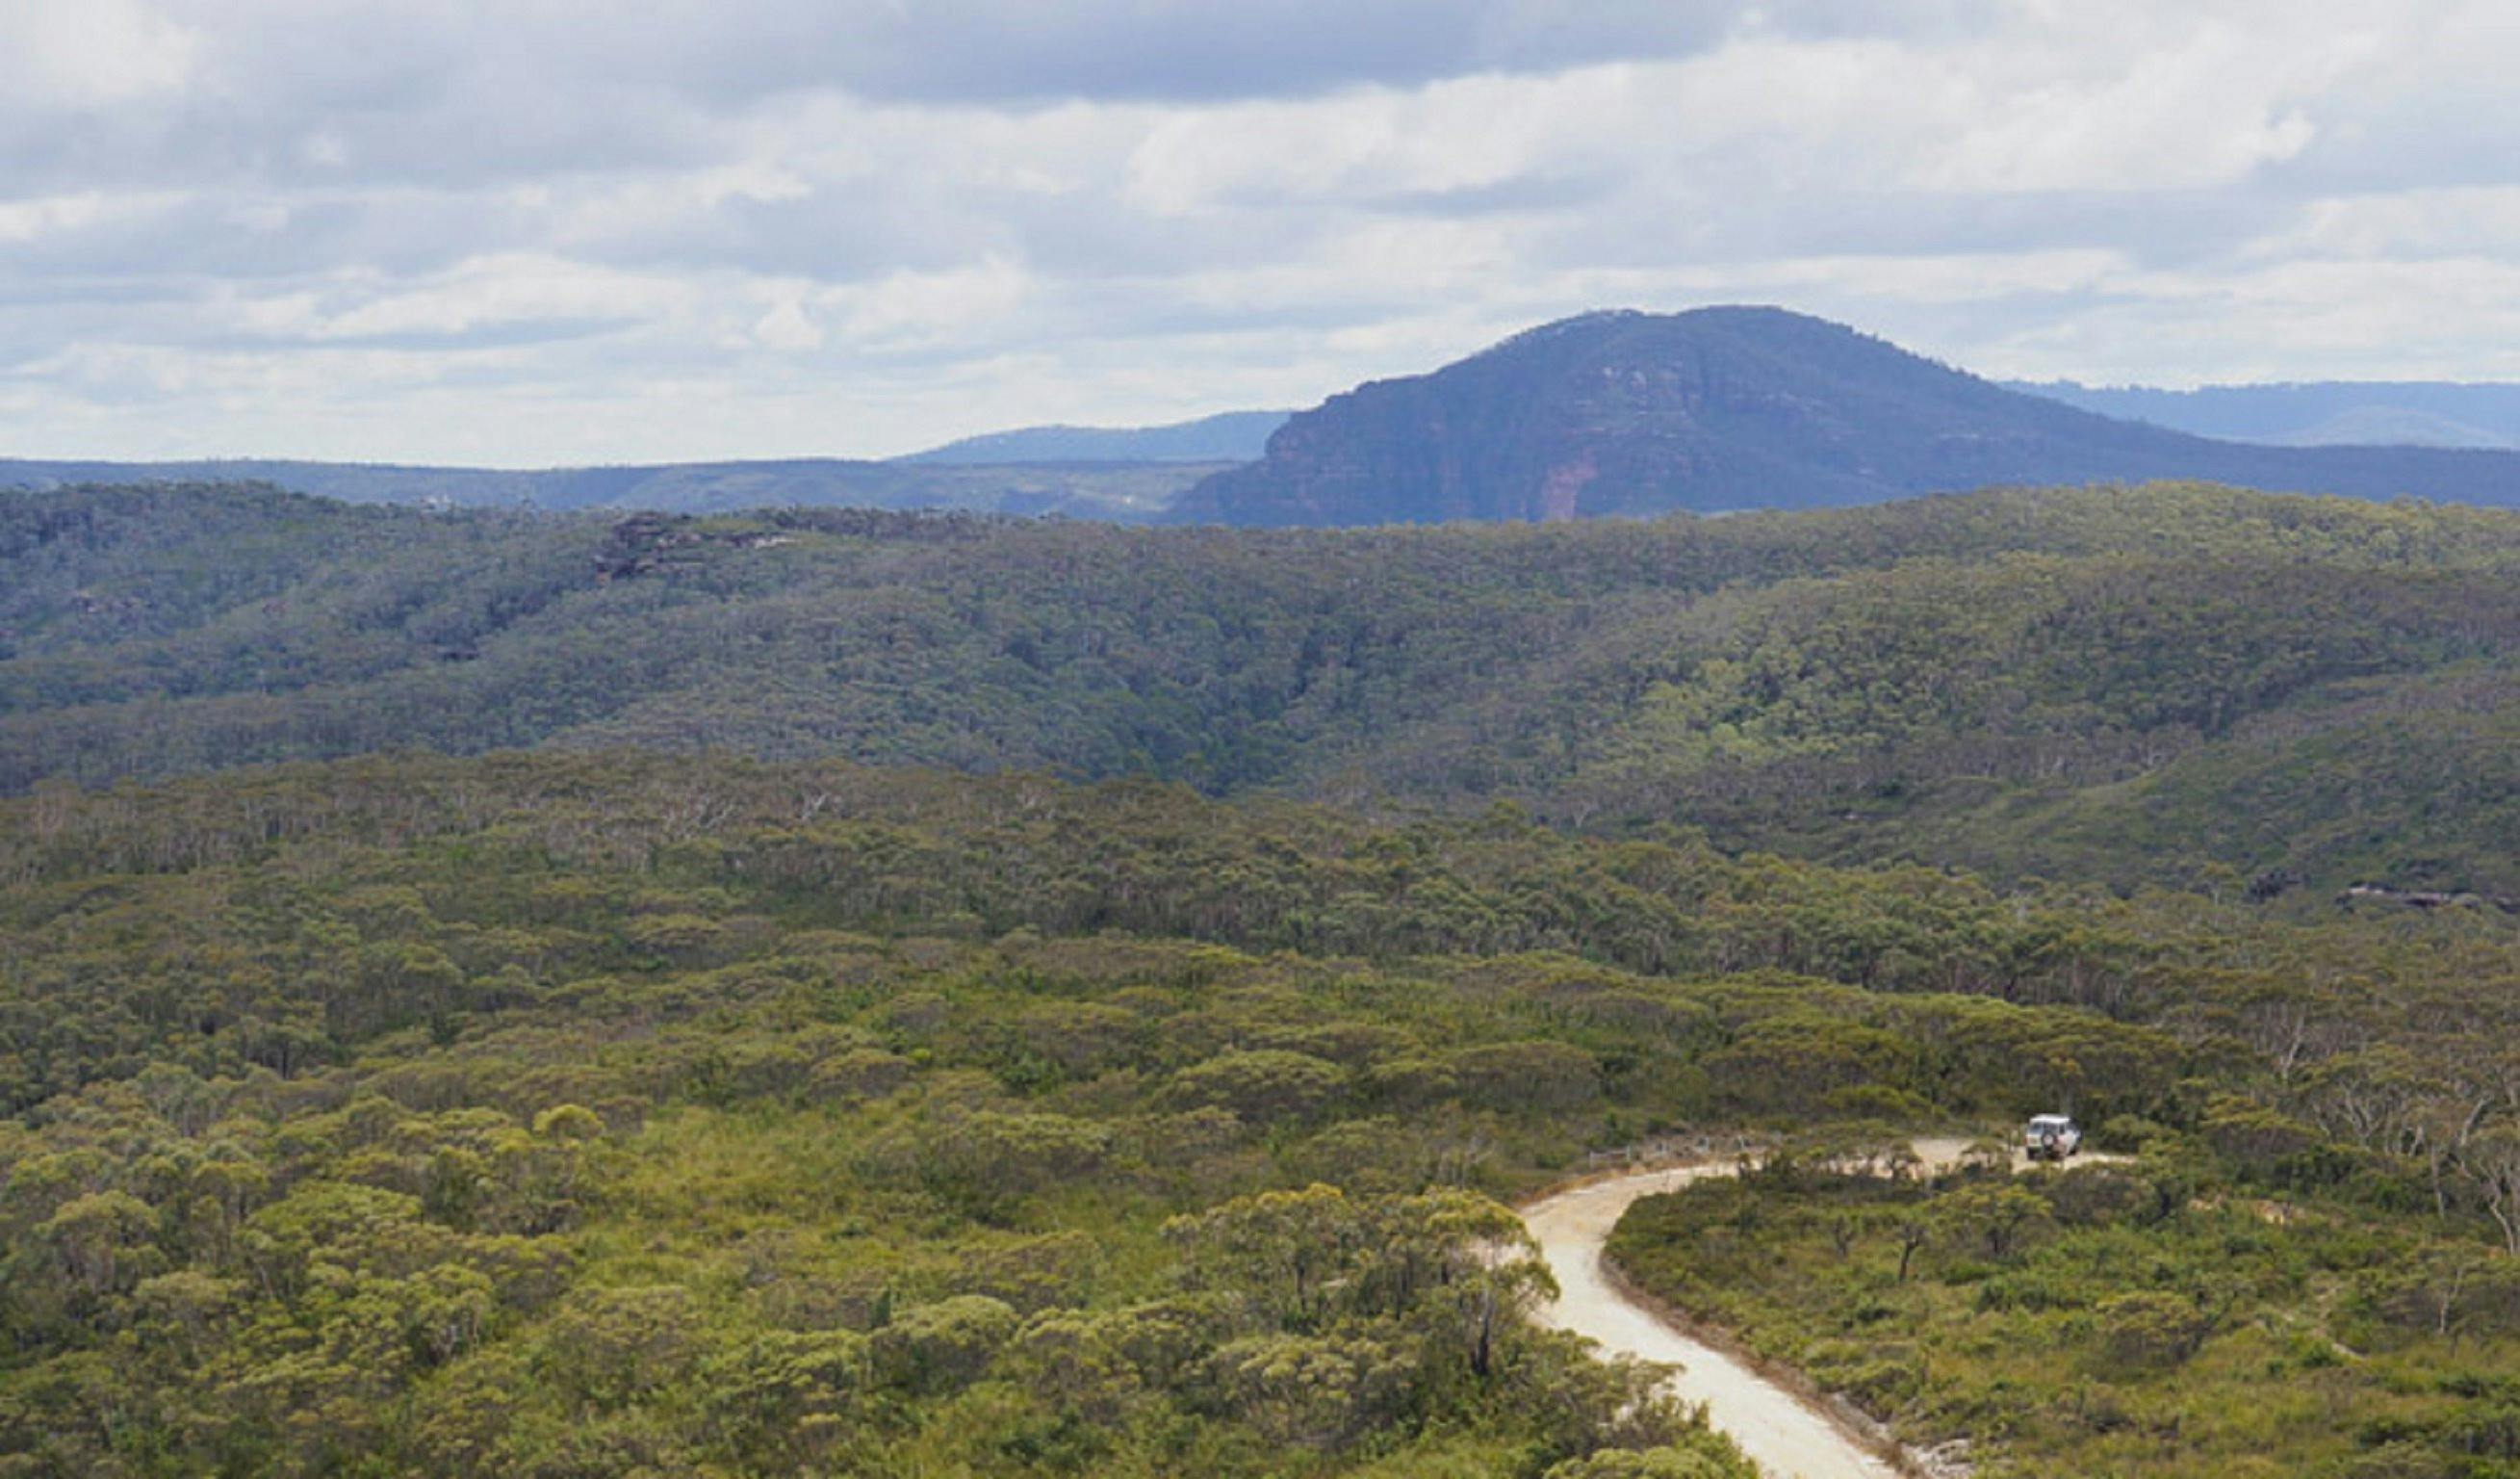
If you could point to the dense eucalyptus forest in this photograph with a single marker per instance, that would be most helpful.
(2158, 684)
(850, 993)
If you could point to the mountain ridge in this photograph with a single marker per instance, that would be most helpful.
(1122, 492)
(2118, 683)
(2312, 413)
(1226, 436)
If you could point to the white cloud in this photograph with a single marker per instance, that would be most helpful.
(926, 307)
(2406, 224)
(1465, 134)
(25, 221)
(499, 293)
(788, 325)
(2206, 107)
(73, 55)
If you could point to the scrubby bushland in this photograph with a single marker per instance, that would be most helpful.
(538, 1114)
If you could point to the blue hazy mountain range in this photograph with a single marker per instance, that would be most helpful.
(1232, 436)
(1618, 412)
(1120, 491)
(2319, 413)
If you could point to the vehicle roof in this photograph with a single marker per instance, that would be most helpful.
(2051, 1118)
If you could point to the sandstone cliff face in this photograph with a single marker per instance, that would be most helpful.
(1627, 413)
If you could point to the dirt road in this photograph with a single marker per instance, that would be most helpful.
(1787, 1439)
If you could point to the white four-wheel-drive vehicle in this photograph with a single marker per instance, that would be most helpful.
(2051, 1137)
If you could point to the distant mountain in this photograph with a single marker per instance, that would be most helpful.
(1627, 413)
(1232, 436)
(1122, 492)
(2328, 413)
(2391, 426)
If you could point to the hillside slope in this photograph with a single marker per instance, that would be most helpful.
(1719, 409)
(2128, 685)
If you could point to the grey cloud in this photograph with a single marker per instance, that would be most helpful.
(1182, 50)
(2171, 229)
(941, 207)
(496, 90)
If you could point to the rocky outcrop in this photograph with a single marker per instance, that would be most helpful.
(2426, 899)
(649, 545)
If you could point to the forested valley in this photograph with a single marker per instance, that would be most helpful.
(844, 994)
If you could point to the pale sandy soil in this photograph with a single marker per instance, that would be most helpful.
(1783, 1435)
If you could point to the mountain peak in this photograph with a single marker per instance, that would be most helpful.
(1608, 325)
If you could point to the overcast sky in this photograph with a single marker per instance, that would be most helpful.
(527, 232)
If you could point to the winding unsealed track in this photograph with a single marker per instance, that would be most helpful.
(1783, 1435)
